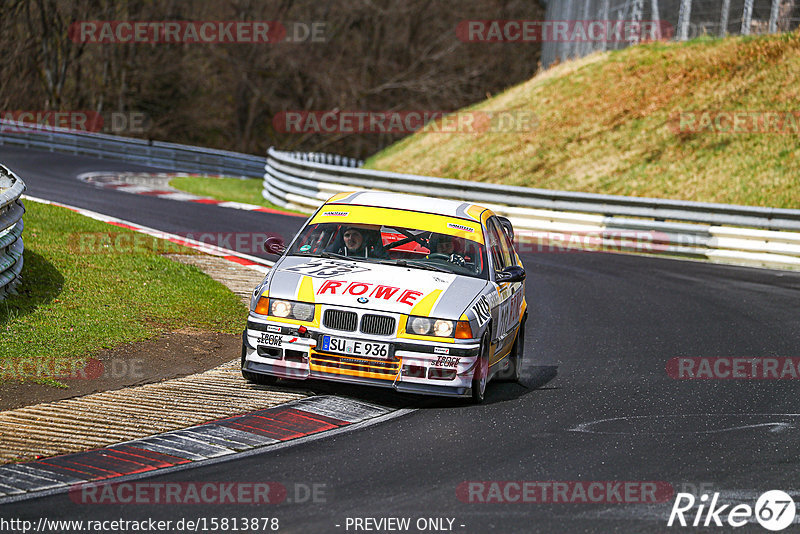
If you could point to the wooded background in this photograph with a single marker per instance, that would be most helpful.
(378, 56)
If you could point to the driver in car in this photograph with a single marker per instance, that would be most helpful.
(444, 244)
(360, 242)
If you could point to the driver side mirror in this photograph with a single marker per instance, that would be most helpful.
(274, 245)
(514, 273)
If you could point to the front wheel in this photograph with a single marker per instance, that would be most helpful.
(263, 380)
(481, 376)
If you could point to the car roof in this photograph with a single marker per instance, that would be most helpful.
(438, 206)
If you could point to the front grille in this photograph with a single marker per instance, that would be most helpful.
(340, 320)
(354, 365)
(380, 325)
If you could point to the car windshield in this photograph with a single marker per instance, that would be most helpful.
(392, 245)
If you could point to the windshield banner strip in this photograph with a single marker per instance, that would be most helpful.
(395, 217)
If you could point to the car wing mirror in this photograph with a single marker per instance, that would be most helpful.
(274, 245)
(514, 273)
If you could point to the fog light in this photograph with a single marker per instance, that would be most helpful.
(437, 373)
(414, 371)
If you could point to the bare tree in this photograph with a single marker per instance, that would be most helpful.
(377, 55)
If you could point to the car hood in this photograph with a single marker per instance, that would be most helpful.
(373, 286)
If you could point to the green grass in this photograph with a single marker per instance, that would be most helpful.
(88, 285)
(605, 124)
(229, 189)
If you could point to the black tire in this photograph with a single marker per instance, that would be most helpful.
(480, 379)
(255, 378)
(514, 371)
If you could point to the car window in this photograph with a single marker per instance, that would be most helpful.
(506, 245)
(493, 241)
(502, 249)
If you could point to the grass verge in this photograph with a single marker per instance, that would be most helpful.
(610, 123)
(88, 286)
(228, 189)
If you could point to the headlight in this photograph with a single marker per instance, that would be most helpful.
(280, 308)
(443, 328)
(286, 309)
(423, 326)
(419, 325)
(303, 311)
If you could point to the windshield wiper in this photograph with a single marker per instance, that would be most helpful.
(329, 255)
(419, 265)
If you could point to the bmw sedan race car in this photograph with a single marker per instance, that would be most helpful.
(418, 294)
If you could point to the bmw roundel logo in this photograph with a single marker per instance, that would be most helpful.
(362, 300)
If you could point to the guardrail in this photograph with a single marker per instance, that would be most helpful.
(11, 247)
(546, 220)
(169, 156)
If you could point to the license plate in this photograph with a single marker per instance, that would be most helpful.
(356, 348)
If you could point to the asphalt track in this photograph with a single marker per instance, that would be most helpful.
(602, 328)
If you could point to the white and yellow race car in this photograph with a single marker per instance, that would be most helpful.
(418, 294)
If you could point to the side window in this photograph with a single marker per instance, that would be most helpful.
(494, 241)
(507, 245)
(503, 245)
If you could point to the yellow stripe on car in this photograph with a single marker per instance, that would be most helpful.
(306, 291)
(340, 196)
(314, 323)
(431, 222)
(475, 211)
(424, 307)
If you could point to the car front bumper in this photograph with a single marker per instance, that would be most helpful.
(422, 367)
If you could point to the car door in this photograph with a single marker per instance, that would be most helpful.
(510, 294)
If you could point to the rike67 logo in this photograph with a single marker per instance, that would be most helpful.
(774, 510)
